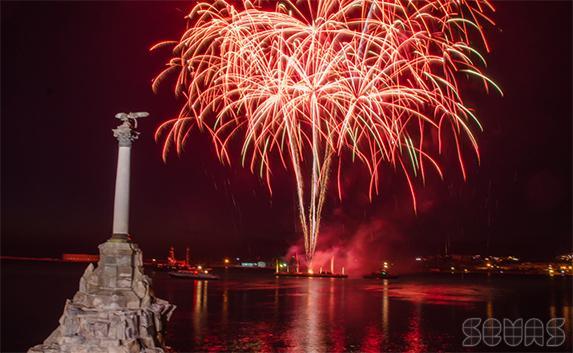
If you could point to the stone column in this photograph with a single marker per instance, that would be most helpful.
(121, 201)
(114, 310)
(125, 134)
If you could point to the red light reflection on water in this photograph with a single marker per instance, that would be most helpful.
(306, 331)
(372, 341)
(317, 315)
(414, 337)
(436, 293)
(337, 337)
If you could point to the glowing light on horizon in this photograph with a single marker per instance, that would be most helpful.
(320, 82)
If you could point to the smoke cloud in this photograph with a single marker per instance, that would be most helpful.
(360, 249)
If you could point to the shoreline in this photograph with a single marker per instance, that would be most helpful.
(149, 264)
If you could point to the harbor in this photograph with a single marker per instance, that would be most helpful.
(254, 311)
(289, 176)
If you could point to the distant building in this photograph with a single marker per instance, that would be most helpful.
(260, 264)
(493, 264)
(80, 257)
(565, 257)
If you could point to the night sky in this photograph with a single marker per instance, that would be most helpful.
(68, 67)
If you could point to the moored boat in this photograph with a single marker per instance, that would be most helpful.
(379, 275)
(193, 274)
(382, 273)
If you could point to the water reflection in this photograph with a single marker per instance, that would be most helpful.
(305, 334)
(567, 314)
(385, 310)
(263, 314)
(313, 312)
(199, 308)
(489, 305)
(258, 313)
(372, 341)
(225, 305)
(414, 335)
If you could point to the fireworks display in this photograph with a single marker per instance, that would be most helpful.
(318, 82)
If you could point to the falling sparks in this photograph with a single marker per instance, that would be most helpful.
(315, 82)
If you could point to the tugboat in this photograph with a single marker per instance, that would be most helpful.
(172, 263)
(183, 268)
(381, 274)
(194, 273)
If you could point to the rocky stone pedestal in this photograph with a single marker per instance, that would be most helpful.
(114, 310)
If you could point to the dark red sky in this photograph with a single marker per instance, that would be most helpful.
(68, 67)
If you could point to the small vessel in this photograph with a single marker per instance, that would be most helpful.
(193, 273)
(379, 275)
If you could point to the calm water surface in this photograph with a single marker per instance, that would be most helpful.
(258, 313)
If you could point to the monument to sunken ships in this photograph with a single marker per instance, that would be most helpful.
(114, 310)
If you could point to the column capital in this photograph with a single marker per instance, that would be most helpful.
(126, 133)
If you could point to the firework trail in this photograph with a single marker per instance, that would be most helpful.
(318, 81)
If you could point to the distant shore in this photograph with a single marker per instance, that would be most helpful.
(151, 263)
(23, 258)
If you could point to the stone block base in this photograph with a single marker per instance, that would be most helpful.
(114, 310)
